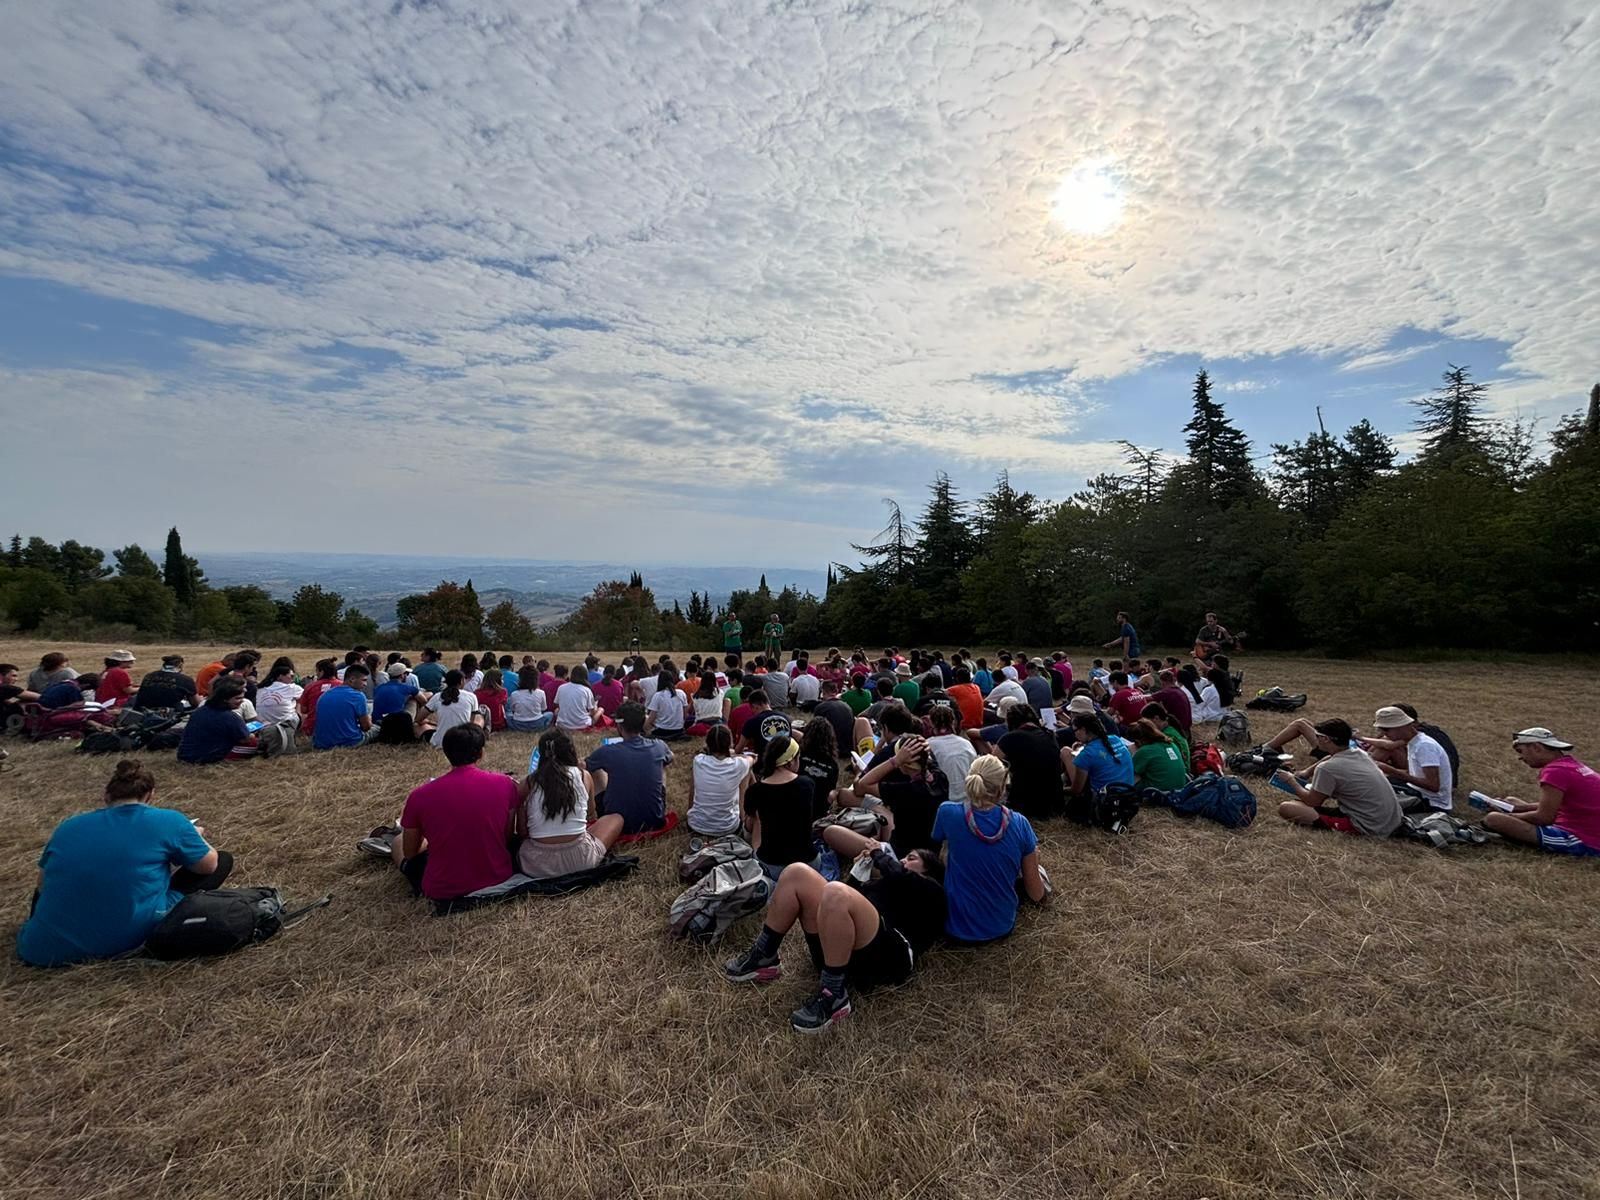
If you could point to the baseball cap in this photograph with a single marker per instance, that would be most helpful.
(1539, 736)
(1389, 717)
(398, 670)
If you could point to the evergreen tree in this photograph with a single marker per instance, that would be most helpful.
(316, 616)
(1149, 469)
(81, 565)
(133, 562)
(1219, 453)
(180, 572)
(1365, 457)
(14, 555)
(1451, 419)
(40, 555)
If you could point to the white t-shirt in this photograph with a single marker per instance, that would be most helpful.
(954, 754)
(1210, 706)
(708, 710)
(540, 826)
(806, 688)
(715, 809)
(451, 715)
(1009, 672)
(1006, 687)
(473, 683)
(1422, 752)
(668, 709)
(647, 686)
(791, 667)
(574, 703)
(275, 702)
(526, 705)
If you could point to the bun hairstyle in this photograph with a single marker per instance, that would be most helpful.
(986, 781)
(130, 780)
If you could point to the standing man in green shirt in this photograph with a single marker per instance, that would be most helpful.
(732, 635)
(772, 638)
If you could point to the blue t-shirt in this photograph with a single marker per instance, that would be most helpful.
(210, 733)
(984, 680)
(339, 713)
(635, 785)
(980, 878)
(106, 880)
(1132, 634)
(1105, 766)
(59, 695)
(430, 675)
(390, 697)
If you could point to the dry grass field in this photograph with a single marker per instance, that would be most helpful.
(1200, 1013)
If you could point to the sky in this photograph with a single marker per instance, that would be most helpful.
(706, 281)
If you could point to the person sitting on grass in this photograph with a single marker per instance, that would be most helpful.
(575, 705)
(806, 685)
(779, 808)
(1100, 760)
(343, 718)
(1416, 765)
(952, 750)
(278, 700)
(1156, 713)
(1157, 763)
(115, 688)
(911, 786)
(552, 816)
(216, 732)
(455, 831)
(630, 776)
(13, 695)
(819, 762)
(450, 706)
(762, 725)
(610, 692)
(665, 715)
(167, 687)
(70, 693)
(525, 708)
(836, 713)
(861, 935)
(1177, 700)
(1034, 758)
(1205, 702)
(1566, 818)
(717, 785)
(52, 669)
(1346, 791)
(108, 876)
(991, 853)
(492, 697)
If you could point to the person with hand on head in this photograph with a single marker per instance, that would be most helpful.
(107, 877)
(1566, 817)
(1346, 791)
(911, 786)
(216, 732)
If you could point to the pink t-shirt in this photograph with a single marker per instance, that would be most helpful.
(609, 696)
(550, 683)
(1579, 786)
(1064, 669)
(464, 817)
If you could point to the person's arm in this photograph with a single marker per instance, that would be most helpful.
(1032, 881)
(867, 785)
(410, 842)
(1544, 812)
(1428, 780)
(1301, 792)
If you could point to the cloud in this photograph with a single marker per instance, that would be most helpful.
(1388, 358)
(542, 241)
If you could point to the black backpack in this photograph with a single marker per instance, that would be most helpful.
(219, 922)
(1275, 699)
(1112, 808)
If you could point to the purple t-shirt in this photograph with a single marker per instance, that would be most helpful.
(1579, 786)
(465, 817)
(1176, 700)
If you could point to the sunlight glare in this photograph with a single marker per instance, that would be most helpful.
(1089, 199)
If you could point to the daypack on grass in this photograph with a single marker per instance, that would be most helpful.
(1222, 798)
(218, 922)
(135, 730)
(868, 822)
(1440, 830)
(706, 908)
(275, 740)
(1207, 759)
(1275, 699)
(706, 854)
(1112, 808)
(1233, 728)
(1258, 761)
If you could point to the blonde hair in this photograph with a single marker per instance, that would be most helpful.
(986, 781)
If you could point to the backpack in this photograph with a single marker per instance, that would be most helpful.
(1275, 699)
(1258, 761)
(705, 909)
(1233, 728)
(1440, 830)
(273, 741)
(135, 730)
(1207, 760)
(397, 729)
(207, 923)
(868, 822)
(1112, 808)
(706, 854)
(1222, 798)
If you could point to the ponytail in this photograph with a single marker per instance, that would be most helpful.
(452, 687)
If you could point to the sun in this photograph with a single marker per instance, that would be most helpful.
(1089, 199)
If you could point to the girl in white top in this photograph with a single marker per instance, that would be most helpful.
(953, 752)
(717, 785)
(525, 709)
(452, 705)
(553, 815)
(275, 703)
(666, 709)
(575, 706)
(708, 700)
(471, 677)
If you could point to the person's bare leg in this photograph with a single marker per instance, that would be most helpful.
(846, 921)
(796, 898)
(862, 732)
(607, 830)
(1512, 827)
(1297, 728)
(1298, 812)
(846, 843)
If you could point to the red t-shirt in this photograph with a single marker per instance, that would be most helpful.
(969, 699)
(736, 719)
(465, 817)
(308, 703)
(1128, 704)
(494, 699)
(116, 685)
(609, 696)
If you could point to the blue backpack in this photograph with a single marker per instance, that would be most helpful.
(1221, 797)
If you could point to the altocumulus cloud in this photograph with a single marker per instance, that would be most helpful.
(516, 244)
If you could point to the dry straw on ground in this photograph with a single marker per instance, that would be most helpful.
(1201, 1013)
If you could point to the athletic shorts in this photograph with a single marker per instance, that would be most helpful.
(883, 962)
(1332, 818)
(1555, 840)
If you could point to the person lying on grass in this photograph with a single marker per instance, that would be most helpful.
(107, 877)
(863, 934)
(553, 814)
(216, 732)
(1566, 819)
(455, 830)
(1346, 790)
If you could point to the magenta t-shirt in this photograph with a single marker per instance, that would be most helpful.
(608, 696)
(465, 818)
(1579, 786)
(549, 684)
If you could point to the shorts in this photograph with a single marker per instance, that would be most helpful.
(1555, 840)
(773, 870)
(1332, 818)
(885, 961)
(542, 860)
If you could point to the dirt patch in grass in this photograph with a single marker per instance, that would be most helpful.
(1273, 1012)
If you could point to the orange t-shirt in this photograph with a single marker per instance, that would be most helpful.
(203, 678)
(969, 699)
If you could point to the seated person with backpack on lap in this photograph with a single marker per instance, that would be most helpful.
(455, 830)
(1347, 791)
(108, 876)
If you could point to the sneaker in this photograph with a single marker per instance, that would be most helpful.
(821, 1011)
(750, 967)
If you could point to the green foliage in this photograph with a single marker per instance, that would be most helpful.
(614, 614)
(315, 616)
(132, 561)
(448, 616)
(29, 594)
(505, 626)
(140, 601)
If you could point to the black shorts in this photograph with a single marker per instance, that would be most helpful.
(885, 961)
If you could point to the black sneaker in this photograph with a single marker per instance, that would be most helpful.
(750, 967)
(821, 1011)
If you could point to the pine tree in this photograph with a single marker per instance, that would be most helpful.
(1149, 469)
(1452, 418)
(1366, 456)
(14, 555)
(133, 562)
(176, 573)
(1219, 452)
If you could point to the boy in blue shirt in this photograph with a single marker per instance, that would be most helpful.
(342, 716)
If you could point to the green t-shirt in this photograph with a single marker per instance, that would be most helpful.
(735, 696)
(859, 699)
(773, 631)
(908, 692)
(732, 633)
(1182, 743)
(1159, 767)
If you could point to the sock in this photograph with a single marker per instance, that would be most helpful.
(767, 943)
(833, 981)
(814, 945)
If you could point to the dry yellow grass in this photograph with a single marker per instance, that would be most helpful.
(1201, 1013)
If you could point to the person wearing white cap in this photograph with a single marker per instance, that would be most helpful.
(1427, 771)
(116, 684)
(1566, 820)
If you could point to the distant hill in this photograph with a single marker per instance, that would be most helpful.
(544, 591)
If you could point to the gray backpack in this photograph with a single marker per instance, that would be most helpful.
(706, 908)
(275, 740)
(705, 854)
(1233, 728)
